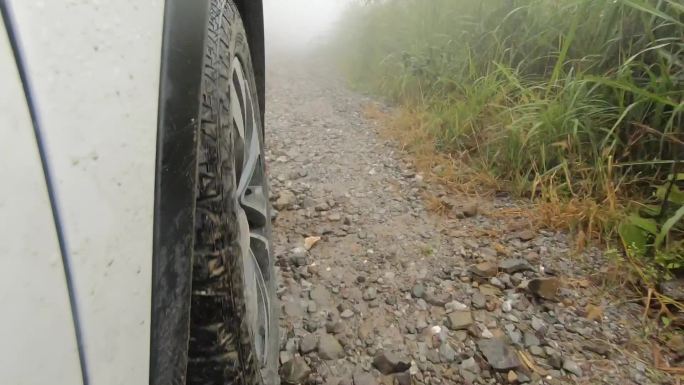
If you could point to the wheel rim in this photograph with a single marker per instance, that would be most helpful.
(252, 209)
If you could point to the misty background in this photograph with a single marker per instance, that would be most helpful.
(295, 26)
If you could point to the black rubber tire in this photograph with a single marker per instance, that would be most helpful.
(221, 347)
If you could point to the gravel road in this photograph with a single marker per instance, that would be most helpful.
(394, 294)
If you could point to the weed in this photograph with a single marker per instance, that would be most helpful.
(577, 104)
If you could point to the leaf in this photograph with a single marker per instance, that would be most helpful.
(649, 210)
(677, 177)
(645, 6)
(647, 224)
(667, 226)
(633, 89)
(309, 242)
(594, 313)
(633, 237)
(675, 196)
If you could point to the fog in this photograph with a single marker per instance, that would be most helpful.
(293, 26)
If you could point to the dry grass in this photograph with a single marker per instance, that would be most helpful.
(585, 218)
(407, 127)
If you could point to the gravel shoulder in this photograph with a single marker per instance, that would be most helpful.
(394, 294)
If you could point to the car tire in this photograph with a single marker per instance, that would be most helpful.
(233, 313)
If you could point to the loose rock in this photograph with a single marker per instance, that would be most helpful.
(526, 235)
(388, 363)
(298, 257)
(459, 320)
(546, 288)
(418, 291)
(361, 378)
(329, 348)
(499, 355)
(484, 269)
(308, 344)
(514, 265)
(295, 371)
(285, 201)
(370, 294)
(572, 367)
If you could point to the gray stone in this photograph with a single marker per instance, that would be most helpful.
(522, 377)
(418, 291)
(499, 355)
(551, 351)
(388, 363)
(433, 356)
(572, 367)
(329, 348)
(515, 336)
(436, 299)
(320, 295)
(496, 282)
(285, 356)
(333, 324)
(446, 352)
(601, 349)
(479, 301)
(347, 313)
(673, 289)
(308, 344)
(421, 322)
(469, 377)
(298, 257)
(362, 378)
(294, 371)
(555, 361)
(537, 351)
(322, 206)
(469, 364)
(293, 309)
(459, 320)
(514, 265)
(455, 305)
(285, 201)
(484, 270)
(370, 294)
(530, 339)
(506, 280)
(402, 378)
(291, 345)
(538, 325)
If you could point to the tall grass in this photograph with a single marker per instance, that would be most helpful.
(565, 100)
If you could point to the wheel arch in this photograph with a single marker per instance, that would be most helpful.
(252, 13)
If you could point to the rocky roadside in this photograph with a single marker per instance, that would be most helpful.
(374, 289)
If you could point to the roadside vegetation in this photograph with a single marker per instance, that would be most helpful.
(577, 104)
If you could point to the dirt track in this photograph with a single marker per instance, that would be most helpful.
(426, 299)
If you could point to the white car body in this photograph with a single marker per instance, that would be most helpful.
(92, 70)
(99, 117)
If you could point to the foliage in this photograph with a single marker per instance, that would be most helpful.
(656, 230)
(563, 100)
